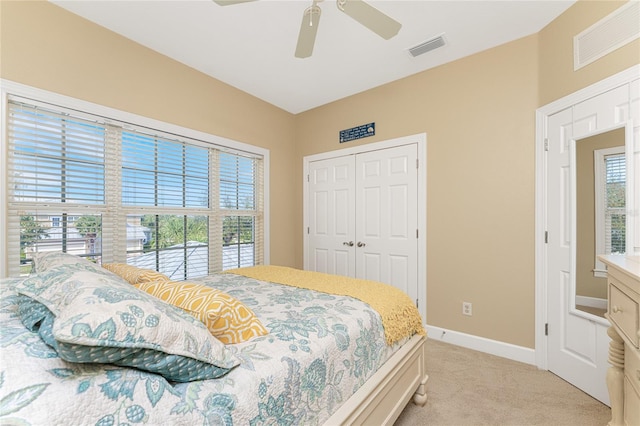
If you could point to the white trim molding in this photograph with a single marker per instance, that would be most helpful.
(493, 347)
(591, 302)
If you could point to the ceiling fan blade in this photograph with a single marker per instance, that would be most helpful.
(381, 24)
(308, 31)
(230, 2)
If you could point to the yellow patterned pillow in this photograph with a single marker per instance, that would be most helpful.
(133, 274)
(227, 318)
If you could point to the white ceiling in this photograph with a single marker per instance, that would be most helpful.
(251, 45)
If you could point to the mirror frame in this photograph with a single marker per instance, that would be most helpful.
(629, 203)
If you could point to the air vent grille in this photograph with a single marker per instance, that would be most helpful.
(610, 33)
(427, 46)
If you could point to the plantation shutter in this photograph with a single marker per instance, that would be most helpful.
(114, 191)
(241, 209)
(55, 175)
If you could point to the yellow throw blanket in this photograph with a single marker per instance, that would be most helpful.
(400, 317)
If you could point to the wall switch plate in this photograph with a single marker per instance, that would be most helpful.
(467, 308)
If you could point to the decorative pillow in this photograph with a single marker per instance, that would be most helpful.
(101, 318)
(37, 318)
(226, 317)
(133, 274)
(44, 261)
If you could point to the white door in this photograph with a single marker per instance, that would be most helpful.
(332, 216)
(386, 200)
(363, 216)
(577, 347)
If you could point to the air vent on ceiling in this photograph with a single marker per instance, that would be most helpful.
(427, 46)
(610, 33)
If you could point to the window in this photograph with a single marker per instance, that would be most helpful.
(237, 201)
(114, 191)
(610, 196)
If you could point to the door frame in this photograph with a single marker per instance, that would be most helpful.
(420, 140)
(542, 114)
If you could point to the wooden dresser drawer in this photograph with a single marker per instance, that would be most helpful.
(631, 404)
(623, 310)
(623, 377)
(632, 368)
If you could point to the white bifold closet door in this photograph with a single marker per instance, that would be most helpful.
(363, 216)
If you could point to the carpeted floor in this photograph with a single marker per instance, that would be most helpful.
(467, 387)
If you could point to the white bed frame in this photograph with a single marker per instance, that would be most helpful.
(383, 397)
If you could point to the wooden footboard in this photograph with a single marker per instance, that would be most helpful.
(383, 397)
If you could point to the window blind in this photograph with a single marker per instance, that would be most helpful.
(615, 210)
(56, 182)
(240, 182)
(115, 191)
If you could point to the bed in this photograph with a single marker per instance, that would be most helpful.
(83, 344)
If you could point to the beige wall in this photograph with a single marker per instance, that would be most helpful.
(478, 114)
(47, 47)
(557, 78)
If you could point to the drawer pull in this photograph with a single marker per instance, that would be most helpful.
(616, 309)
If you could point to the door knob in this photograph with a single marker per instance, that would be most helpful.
(616, 309)
(350, 243)
(361, 244)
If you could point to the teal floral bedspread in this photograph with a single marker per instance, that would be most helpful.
(320, 349)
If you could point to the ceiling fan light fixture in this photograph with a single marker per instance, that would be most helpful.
(312, 10)
(367, 15)
(231, 2)
(308, 31)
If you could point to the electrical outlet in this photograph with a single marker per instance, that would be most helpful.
(467, 308)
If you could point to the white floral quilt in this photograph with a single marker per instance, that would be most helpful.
(320, 349)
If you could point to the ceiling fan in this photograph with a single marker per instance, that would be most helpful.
(381, 24)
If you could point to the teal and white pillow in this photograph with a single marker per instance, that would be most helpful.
(101, 318)
(45, 261)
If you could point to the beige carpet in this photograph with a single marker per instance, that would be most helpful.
(467, 387)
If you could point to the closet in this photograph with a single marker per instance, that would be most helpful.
(362, 215)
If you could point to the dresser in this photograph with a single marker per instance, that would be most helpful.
(623, 377)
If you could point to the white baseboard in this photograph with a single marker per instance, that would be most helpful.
(592, 302)
(493, 347)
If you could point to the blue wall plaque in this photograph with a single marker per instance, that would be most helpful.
(358, 132)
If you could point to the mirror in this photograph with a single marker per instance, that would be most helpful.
(600, 175)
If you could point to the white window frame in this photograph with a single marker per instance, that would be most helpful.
(600, 171)
(9, 88)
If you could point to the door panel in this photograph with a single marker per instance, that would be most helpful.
(578, 343)
(343, 261)
(577, 346)
(601, 112)
(369, 199)
(370, 266)
(332, 216)
(634, 202)
(371, 213)
(387, 188)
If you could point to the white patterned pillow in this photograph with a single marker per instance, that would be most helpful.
(45, 261)
(103, 319)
